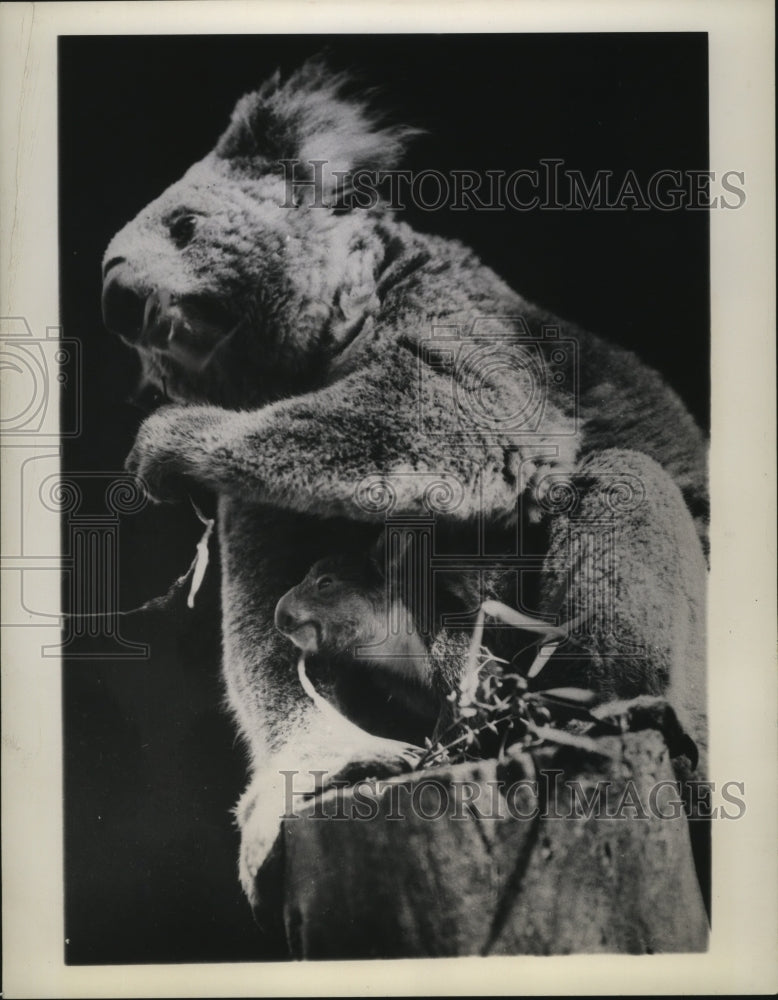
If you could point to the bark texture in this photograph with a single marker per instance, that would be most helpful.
(493, 859)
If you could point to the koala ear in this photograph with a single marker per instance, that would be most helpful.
(389, 558)
(311, 117)
(377, 553)
(250, 132)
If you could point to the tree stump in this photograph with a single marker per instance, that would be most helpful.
(557, 851)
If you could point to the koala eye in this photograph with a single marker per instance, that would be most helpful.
(325, 583)
(182, 230)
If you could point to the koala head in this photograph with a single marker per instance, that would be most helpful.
(241, 281)
(340, 603)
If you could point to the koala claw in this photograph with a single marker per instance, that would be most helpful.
(171, 448)
(162, 478)
(381, 762)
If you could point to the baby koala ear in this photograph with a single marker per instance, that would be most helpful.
(377, 554)
(389, 553)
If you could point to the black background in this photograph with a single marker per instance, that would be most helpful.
(151, 763)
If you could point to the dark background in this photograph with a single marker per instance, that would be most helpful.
(152, 766)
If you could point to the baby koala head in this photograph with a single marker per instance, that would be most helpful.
(354, 606)
(353, 614)
(339, 604)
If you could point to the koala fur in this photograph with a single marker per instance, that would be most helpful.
(293, 340)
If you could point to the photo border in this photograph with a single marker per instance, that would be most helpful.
(741, 606)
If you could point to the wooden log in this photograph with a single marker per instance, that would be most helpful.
(496, 859)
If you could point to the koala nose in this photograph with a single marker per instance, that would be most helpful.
(123, 305)
(285, 620)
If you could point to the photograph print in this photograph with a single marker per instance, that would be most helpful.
(386, 626)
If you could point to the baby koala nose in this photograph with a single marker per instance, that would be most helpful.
(285, 619)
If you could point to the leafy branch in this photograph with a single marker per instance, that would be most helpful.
(493, 704)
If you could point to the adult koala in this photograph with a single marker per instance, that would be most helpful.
(301, 347)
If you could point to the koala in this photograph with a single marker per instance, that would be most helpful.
(330, 370)
(355, 615)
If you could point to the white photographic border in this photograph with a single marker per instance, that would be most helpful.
(742, 656)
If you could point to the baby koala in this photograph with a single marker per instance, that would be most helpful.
(353, 611)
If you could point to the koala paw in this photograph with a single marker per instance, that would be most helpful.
(385, 759)
(273, 793)
(173, 447)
